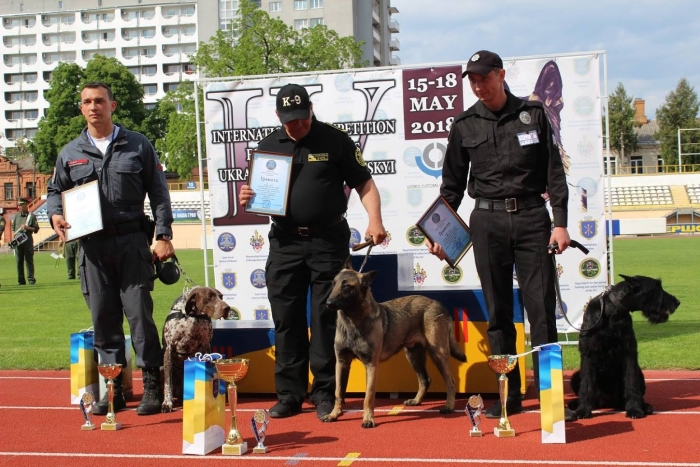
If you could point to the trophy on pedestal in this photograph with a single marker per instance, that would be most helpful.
(232, 370)
(87, 403)
(259, 424)
(503, 364)
(110, 371)
(475, 405)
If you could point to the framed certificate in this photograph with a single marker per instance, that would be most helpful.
(442, 225)
(81, 209)
(269, 177)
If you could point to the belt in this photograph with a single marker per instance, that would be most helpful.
(509, 204)
(310, 229)
(122, 228)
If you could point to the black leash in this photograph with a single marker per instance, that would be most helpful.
(368, 243)
(552, 249)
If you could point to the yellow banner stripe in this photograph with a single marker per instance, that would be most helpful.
(349, 459)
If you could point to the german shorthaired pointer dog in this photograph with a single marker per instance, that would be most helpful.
(188, 330)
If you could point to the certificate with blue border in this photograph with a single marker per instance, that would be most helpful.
(442, 225)
(269, 177)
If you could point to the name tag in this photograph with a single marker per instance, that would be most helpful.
(526, 139)
(322, 157)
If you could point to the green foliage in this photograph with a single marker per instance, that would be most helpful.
(63, 121)
(621, 120)
(679, 111)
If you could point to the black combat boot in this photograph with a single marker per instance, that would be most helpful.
(151, 400)
(102, 407)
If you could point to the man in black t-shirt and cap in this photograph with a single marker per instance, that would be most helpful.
(309, 246)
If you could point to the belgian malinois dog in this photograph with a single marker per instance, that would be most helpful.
(372, 332)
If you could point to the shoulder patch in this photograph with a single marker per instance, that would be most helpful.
(358, 156)
(335, 127)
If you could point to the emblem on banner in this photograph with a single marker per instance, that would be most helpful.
(560, 310)
(386, 241)
(582, 65)
(451, 275)
(589, 268)
(414, 236)
(261, 313)
(228, 279)
(257, 241)
(226, 242)
(525, 118)
(588, 227)
(257, 279)
(234, 314)
(419, 275)
(428, 162)
(355, 237)
(414, 196)
(560, 270)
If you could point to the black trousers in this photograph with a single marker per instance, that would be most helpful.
(502, 239)
(25, 254)
(116, 276)
(294, 266)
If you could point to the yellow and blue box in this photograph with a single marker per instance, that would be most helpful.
(127, 376)
(203, 408)
(552, 394)
(83, 368)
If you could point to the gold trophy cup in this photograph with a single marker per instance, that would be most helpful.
(232, 370)
(503, 364)
(110, 371)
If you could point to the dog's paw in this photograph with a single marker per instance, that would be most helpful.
(331, 417)
(445, 410)
(411, 402)
(648, 409)
(635, 412)
(368, 423)
(167, 407)
(582, 412)
(573, 405)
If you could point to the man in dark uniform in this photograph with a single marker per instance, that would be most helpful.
(309, 246)
(507, 143)
(24, 221)
(116, 266)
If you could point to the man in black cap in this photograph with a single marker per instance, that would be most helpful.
(25, 223)
(501, 151)
(309, 246)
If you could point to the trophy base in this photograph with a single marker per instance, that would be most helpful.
(475, 433)
(111, 426)
(504, 433)
(262, 450)
(234, 449)
(88, 427)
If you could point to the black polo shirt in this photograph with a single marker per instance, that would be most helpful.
(325, 160)
(488, 148)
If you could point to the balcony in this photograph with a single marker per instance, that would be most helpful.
(395, 60)
(394, 45)
(393, 10)
(394, 26)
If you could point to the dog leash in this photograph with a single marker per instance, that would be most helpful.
(552, 249)
(367, 243)
(189, 283)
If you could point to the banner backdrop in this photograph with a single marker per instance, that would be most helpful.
(400, 119)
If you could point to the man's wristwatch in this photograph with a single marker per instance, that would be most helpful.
(164, 237)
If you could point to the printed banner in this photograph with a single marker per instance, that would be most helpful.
(400, 120)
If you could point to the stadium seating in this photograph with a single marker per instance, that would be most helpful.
(640, 195)
(693, 193)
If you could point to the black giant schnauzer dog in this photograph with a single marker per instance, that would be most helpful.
(610, 375)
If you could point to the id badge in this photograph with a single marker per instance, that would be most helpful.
(528, 138)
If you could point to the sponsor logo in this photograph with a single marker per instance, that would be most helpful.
(588, 184)
(234, 314)
(384, 197)
(257, 279)
(583, 105)
(431, 159)
(226, 242)
(561, 310)
(343, 83)
(355, 237)
(261, 313)
(582, 66)
(560, 270)
(452, 275)
(588, 227)
(419, 275)
(257, 241)
(589, 268)
(410, 156)
(386, 241)
(414, 236)
(414, 196)
(585, 147)
(229, 279)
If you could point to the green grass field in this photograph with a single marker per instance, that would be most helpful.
(37, 320)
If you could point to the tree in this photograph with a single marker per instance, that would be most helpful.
(679, 111)
(63, 121)
(23, 149)
(623, 140)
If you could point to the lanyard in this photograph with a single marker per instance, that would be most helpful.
(114, 134)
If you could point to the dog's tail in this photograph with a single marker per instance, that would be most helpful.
(455, 350)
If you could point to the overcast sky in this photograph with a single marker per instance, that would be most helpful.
(650, 44)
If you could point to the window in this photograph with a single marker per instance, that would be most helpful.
(150, 89)
(612, 165)
(300, 5)
(314, 21)
(9, 191)
(275, 6)
(167, 87)
(636, 165)
(301, 24)
(60, 4)
(149, 70)
(316, 4)
(29, 189)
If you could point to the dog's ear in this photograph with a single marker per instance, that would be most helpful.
(368, 277)
(191, 304)
(348, 263)
(632, 281)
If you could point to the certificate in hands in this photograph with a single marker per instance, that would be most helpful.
(442, 225)
(269, 177)
(81, 209)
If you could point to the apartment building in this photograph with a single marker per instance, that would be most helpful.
(152, 38)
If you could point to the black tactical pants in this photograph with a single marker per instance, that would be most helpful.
(116, 275)
(502, 239)
(296, 265)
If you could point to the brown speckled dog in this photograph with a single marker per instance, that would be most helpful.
(188, 330)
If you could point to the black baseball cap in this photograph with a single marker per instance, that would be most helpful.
(293, 103)
(483, 62)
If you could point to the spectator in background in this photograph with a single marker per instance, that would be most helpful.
(25, 222)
